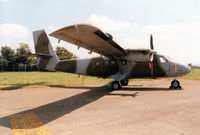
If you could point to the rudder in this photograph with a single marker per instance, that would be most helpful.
(46, 57)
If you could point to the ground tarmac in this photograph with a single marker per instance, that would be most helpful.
(142, 108)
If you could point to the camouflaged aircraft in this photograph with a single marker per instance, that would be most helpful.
(114, 61)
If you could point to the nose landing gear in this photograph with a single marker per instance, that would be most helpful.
(124, 82)
(175, 84)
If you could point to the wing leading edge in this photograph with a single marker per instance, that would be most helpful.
(89, 37)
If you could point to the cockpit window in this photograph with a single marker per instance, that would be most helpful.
(106, 62)
(113, 62)
(168, 58)
(162, 59)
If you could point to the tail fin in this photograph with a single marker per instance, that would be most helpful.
(46, 57)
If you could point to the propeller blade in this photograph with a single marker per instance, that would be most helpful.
(151, 57)
(151, 68)
(151, 42)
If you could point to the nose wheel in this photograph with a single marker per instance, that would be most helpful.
(175, 84)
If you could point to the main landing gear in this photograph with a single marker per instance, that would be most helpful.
(117, 86)
(124, 82)
(175, 84)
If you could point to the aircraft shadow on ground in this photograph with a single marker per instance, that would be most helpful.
(145, 89)
(19, 86)
(124, 88)
(76, 87)
(55, 110)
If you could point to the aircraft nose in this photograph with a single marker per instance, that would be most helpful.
(183, 69)
(187, 69)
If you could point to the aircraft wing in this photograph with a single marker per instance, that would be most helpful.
(89, 37)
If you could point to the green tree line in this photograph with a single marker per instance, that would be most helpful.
(18, 60)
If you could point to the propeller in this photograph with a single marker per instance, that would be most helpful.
(151, 56)
(151, 42)
(151, 63)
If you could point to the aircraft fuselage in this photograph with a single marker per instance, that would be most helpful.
(106, 67)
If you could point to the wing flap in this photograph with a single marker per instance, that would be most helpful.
(89, 37)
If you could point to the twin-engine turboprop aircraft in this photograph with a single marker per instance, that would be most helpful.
(115, 62)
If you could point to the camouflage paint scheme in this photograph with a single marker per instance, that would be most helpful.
(117, 63)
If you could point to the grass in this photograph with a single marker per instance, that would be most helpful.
(194, 75)
(18, 80)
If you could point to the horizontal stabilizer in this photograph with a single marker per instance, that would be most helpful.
(40, 55)
(37, 55)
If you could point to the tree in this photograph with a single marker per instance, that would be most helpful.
(3, 64)
(24, 62)
(8, 57)
(64, 53)
(190, 65)
(21, 51)
(15, 61)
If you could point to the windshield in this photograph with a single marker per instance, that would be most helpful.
(162, 59)
(168, 58)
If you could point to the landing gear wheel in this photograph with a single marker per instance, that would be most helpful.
(115, 85)
(124, 82)
(175, 84)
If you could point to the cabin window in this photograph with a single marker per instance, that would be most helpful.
(97, 63)
(112, 62)
(106, 62)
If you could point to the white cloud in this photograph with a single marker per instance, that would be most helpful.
(10, 30)
(107, 24)
(180, 30)
(102, 22)
(181, 41)
(132, 42)
(51, 28)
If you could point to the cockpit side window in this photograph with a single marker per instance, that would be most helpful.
(162, 59)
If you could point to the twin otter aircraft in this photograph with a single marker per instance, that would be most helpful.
(116, 63)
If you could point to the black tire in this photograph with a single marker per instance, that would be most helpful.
(124, 82)
(175, 84)
(115, 85)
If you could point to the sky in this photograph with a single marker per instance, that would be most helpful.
(175, 24)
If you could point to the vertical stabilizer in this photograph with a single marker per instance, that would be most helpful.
(46, 57)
